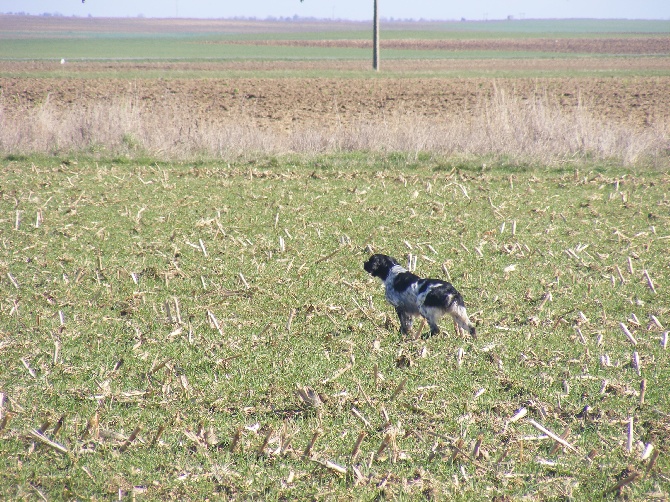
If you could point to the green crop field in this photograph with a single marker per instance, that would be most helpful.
(194, 49)
(168, 49)
(160, 322)
(561, 27)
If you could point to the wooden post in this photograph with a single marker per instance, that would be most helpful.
(375, 37)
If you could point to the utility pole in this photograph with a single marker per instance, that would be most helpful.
(375, 38)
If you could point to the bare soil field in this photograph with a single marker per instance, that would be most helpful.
(289, 103)
(629, 45)
(398, 67)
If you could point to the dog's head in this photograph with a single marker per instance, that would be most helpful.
(379, 265)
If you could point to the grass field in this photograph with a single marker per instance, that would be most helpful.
(164, 49)
(158, 319)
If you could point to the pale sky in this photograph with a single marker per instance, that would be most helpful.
(350, 9)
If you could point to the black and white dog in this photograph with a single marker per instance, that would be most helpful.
(412, 296)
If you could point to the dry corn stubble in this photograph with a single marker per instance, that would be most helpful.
(170, 297)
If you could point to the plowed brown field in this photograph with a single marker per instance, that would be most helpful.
(405, 68)
(629, 45)
(285, 103)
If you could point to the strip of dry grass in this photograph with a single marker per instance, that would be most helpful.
(505, 125)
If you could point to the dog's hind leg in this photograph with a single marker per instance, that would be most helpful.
(432, 315)
(406, 321)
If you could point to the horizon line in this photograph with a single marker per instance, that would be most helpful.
(295, 18)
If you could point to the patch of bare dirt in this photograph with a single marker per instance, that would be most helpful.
(409, 68)
(641, 45)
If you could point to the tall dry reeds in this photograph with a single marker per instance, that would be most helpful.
(504, 125)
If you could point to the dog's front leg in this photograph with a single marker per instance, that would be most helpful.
(406, 321)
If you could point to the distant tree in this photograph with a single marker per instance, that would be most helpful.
(375, 35)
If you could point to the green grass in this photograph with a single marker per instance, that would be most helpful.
(169, 49)
(560, 27)
(160, 48)
(118, 248)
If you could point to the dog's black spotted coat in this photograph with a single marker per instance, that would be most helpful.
(413, 296)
